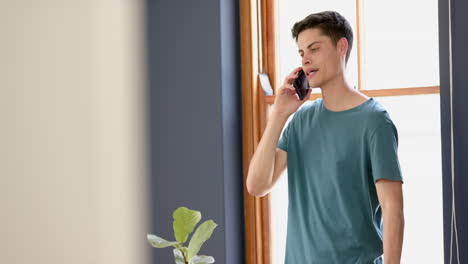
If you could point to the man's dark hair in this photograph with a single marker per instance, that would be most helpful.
(330, 23)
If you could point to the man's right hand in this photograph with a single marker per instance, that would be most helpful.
(287, 101)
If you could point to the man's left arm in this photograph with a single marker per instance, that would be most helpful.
(390, 196)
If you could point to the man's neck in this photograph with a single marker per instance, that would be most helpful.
(338, 95)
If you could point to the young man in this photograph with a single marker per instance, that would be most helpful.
(344, 178)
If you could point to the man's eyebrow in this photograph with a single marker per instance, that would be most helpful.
(310, 45)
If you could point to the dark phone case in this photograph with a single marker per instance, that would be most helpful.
(301, 85)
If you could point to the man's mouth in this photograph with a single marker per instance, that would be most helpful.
(311, 73)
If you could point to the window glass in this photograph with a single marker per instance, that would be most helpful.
(400, 44)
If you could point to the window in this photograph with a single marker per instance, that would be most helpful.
(389, 60)
(403, 52)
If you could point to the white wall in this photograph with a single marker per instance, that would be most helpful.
(72, 168)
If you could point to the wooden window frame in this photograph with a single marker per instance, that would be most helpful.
(258, 19)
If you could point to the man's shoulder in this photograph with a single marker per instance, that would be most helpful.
(377, 113)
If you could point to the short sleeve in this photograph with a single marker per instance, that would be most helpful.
(283, 142)
(384, 153)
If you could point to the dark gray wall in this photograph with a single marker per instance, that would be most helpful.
(195, 120)
(460, 122)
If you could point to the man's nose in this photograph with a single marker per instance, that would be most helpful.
(305, 60)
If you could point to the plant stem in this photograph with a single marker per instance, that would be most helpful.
(181, 251)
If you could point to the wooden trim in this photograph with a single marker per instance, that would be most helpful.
(379, 93)
(402, 91)
(359, 43)
(269, 65)
(258, 53)
(270, 40)
(249, 62)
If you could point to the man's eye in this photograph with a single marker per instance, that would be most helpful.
(314, 49)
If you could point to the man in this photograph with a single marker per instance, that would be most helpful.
(344, 178)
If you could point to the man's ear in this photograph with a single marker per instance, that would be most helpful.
(343, 46)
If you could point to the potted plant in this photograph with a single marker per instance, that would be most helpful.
(185, 221)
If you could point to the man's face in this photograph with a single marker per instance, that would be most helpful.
(318, 53)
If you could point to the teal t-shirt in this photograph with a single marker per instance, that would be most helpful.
(334, 160)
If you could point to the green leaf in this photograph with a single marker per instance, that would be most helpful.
(179, 258)
(202, 234)
(158, 242)
(202, 260)
(185, 221)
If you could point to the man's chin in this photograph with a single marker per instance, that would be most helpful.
(314, 85)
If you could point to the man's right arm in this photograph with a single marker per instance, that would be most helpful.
(268, 162)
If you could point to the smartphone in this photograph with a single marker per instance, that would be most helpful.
(301, 84)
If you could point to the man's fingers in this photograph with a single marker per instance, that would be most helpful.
(290, 87)
(292, 76)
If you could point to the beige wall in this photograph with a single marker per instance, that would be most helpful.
(72, 172)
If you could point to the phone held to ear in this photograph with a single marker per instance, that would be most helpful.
(301, 85)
